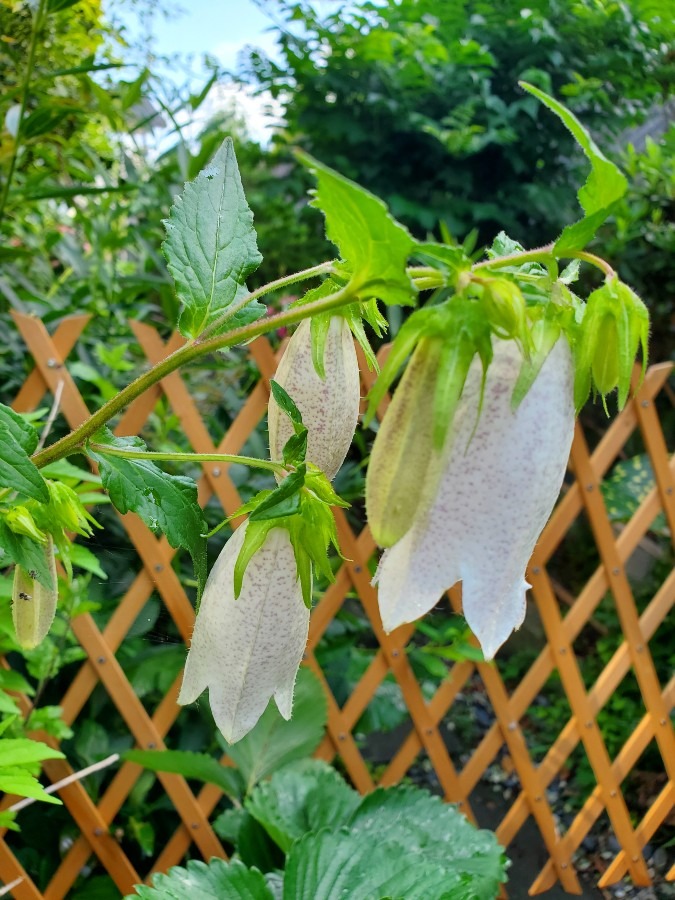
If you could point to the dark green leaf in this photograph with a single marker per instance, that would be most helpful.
(301, 797)
(330, 864)
(199, 766)
(274, 742)
(168, 502)
(18, 439)
(22, 431)
(219, 880)
(211, 246)
(431, 830)
(604, 186)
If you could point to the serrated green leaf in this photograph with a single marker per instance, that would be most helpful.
(256, 532)
(167, 502)
(19, 439)
(211, 246)
(301, 797)
(16, 781)
(22, 431)
(329, 864)
(604, 186)
(431, 830)
(219, 880)
(275, 742)
(199, 766)
(373, 245)
(23, 751)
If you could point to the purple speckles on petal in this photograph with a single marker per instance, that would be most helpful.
(329, 407)
(247, 650)
(495, 496)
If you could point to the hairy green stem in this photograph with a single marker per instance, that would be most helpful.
(539, 254)
(32, 48)
(188, 353)
(287, 280)
(596, 261)
(190, 457)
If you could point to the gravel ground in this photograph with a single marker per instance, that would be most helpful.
(493, 796)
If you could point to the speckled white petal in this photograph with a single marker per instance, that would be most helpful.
(248, 650)
(330, 407)
(495, 496)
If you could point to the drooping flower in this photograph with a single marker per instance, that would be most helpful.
(248, 649)
(34, 604)
(329, 406)
(499, 484)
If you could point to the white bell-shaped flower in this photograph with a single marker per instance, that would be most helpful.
(329, 406)
(249, 649)
(500, 482)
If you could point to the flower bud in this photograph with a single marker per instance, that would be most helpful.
(403, 454)
(33, 604)
(499, 483)
(329, 406)
(248, 649)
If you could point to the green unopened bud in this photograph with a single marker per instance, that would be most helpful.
(19, 519)
(505, 307)
(33, 604)
(403, 453)
(614, 326)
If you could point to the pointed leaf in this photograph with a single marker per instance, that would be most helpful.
(199, 766)
(373, 245)
(604, 186)
(211, 246)
(167, 502)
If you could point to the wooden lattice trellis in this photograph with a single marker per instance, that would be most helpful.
(582, 496)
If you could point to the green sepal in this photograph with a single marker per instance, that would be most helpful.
(466, 333)
(285, 402)
(283, 500)
(414, 328)
(318, 483)
(604, 186)
(295, 448)
(318, 329)
(544, 333)
(256, 532)
(305, 512)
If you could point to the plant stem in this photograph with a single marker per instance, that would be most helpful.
(287, 280)
(189, 457)
(596, 261)
(37, 22)
(189, 352)
(539, 254)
